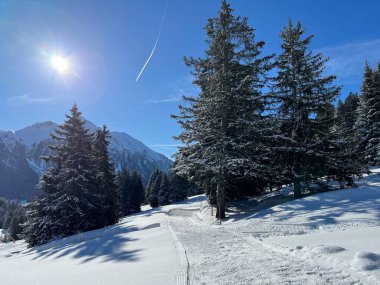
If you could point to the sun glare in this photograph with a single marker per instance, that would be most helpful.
(60, 64)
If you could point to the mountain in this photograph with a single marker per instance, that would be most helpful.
(21, 164)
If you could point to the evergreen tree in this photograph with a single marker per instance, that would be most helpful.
(180, 188)
(372, 155)
(44, 222)
(106, 178)
(70, 199)
(347, 113)
(368, 122)
(12, 216)
(222, 126)
(124, 183)
(154, 188)
(362, 124)
(301, 93)
(132, 191)
(346, 116)
(164, 191)
(15, 227)
(137, 192)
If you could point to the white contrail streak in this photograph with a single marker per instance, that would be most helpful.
(155, 45)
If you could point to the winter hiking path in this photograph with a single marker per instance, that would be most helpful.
(328, 238)
(221, 256)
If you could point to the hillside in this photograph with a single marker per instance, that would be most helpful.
(328, 238)
(21, 164)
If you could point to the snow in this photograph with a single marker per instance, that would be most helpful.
(138, 250)
(41, 131)
(328, 238)
(36, 133)
(120, 141)
(143, 158)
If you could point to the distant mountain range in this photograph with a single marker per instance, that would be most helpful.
(21, 164)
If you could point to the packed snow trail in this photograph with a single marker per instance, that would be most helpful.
(218, 255)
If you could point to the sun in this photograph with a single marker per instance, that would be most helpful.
(60, 64)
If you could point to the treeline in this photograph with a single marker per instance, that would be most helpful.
(81, 190)
(12, 216)
(164, 189)
(262, 121)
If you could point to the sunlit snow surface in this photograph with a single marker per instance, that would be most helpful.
(328, 238)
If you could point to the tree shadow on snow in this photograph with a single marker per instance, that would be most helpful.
(107, 244)
(327, 208)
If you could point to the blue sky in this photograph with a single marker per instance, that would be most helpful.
(108, 42)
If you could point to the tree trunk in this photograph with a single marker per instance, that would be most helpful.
(297, 188)
(296, 180)
(220, 200)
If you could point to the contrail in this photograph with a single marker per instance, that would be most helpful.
(155, 45)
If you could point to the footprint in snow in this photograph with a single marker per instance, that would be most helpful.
(367, 261)
(328, 249)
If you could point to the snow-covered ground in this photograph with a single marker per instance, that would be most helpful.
(328, 238)
(138, 250)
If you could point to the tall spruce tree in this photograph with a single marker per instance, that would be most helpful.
(301, 93)
(222, 125)
(346, 117)
(132, 191)
(362, 125)
(106, 178)
(124, 182)
(372, 97)
(154, 188)
(164, 191)
(180, 188)
(137, 194)
(70, 199)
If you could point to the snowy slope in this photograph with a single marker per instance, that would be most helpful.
(329, 238)
(139, 250)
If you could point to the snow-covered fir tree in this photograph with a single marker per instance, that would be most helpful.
(164, 191)
(132, 191)
(137, 195)
(221, 127)
(106, 178)
(301, 93)
(70, 199)
(345, 134)
(153, 188)
(362, 125)
(369, 116)
(347, 113)
(180, 188)
(12, 217)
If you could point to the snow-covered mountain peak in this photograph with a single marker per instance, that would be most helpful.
(21, 152)
(90, 125)
(36, 132)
